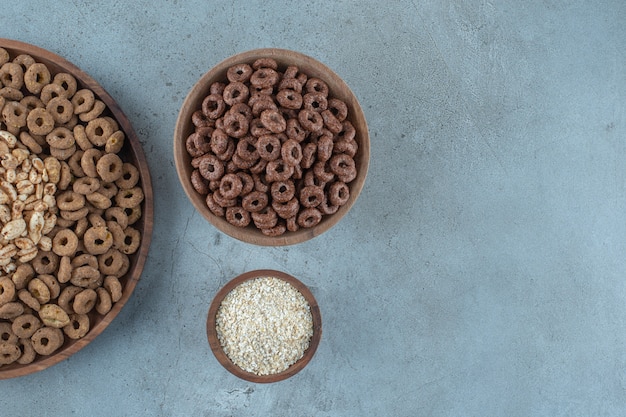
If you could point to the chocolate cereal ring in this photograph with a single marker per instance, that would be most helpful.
(230, 186)
(273, 121)
(235, 92)
(199, 183)
(291, 152)
(109, 167)
(236, 125)
(344, 167)
(46, 340)
(310, 120)
(315, 85)
(239, 73)
(24, 326)
(311, 196)
(213, 106)
(278, 170)
(264, 77)
(255, 201)
(315, 101)
(268, 147)
(309, 217)
(237, 216)
(192, 147)
(213, 206)
(78, 327)
(282, 191)
(338, 193)
(277, 230)
(211, 167)
(265, 218)
(287, 209)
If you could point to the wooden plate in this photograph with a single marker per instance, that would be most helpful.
(132, 152)
(216, 347)
(311, 67)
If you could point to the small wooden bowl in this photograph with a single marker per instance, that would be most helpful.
(216, 347)
(132, 152)
(338, 88)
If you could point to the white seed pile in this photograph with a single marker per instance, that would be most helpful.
(264, 325)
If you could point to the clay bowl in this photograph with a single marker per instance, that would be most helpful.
(132, 152)
(337, 87)
(216, 347)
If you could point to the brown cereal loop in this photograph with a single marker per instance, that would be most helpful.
(311, 196)
(45, 262)
(295, 131)
(67, 82)
(268, 147)
(237, 216)
(223, 201)
(210, 167)
(14, 114)
(338, 193)
(264, 77)
(22, 275)
(115, 142)
(202, 142)
(117, 232)
(118, 215)
(28, 352)
(316, 102)
(70, 200)
(62, 154)
(111, 262)
(275, 231)
(309, 217)
(322, 171)
(104, 303)
(84, 301)
(310, 120)
(86, 185)
(114, 287)
(331, 122)
(133, 214)
(246, 149)
(98, 131)
(292, 224)
(282, 191)
(74, 164)
(98, 240)
(289, 99)
(65, 243)
(89, 160)
(61, 109)
(108, 189)
(36, 77)
(46, 340)
(12, 75)
(83, 101)
(278, 170)
(50, 91)
(52, 283)
(7, 290)
(86, 277)
(9, 353)
(236, 125)
(291, 152)
(78, 327)
(213, 206)
(31, 143)
(38, 289)
(239, 73)
(236, 92)
(265, 218)
(39, 121)
(219, 141)
(109, 167)
(66, 298)
(129, 198)
(230, 186)
(213, 106)
(130, 176)
(315, 85)
(7, 334)
(344, 167)
(287, 209)
(247, 182)
(255, 201)
(199, 183)
(132, 241)
(273, 121)
(325, 146)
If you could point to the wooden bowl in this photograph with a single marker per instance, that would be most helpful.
(338, 88)
(216, 347)
(132, 152)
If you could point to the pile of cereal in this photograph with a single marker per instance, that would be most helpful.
(273, 149)
(264, 325)
(68, 202)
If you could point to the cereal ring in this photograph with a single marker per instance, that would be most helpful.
(277, 230)
(287, 209)
(7, 290)
(111, 262)
(291, 152)
(109, 167)
(72, 216)
(331, 122)
(268, 147)
(86, 185)
(199, 119)
(239, 73)
(282, 191)
(61, 109)
(338, 193)
(199, 183)
(84, 301)
(86, 277)
(310, 120)
(24, 326)
(89, 160)
(246, 149)
(311, 196)
(67, 82)
(62, 154)
(32, 103)
(129, 198)
(217, 88)
(117, 215)
(219, 141)
(74, 163)
(66, 298)
(98, 240)
(235, 93)
(39, 121)
(129, 178)
(260, 183)
(38, 289)
(46, 340)
(202, 142)
(260, 103)
(83, 101)
(254, 201)
(22, 275)
(213, 106)
(7, 334)
(78, 327)
(24, 60)
(315, 85)
(344, 167)
(14, 114)
(98, 131)
(31, 143)
(273, 121)
(247, 182)
(347, 132)
(9, 352)
(45, 262)
(289, 99)
(50, 91)
(114, 287)
(321, 170)
(211, 167)
(292, 224)
(238, 216)
(316, 102)
(265, 218)
(223, 201)
(10, 311)
(236, 125)
(12, 75)
(104, 304)
(264, 77)
(65, 243)
(108, 189)
(309, 217)
(28, 352)
(95, 220)
(258, 167)
(192, 148)
(117, 232)
(52, 283)
(115, 142)
(12, 94)
(36, 77)
(133, 213)
(278, 170)
(132, 241)
(70, 200)
(230, 186)
(257, 129)
(325, 146)
(295, 131)
(4, 56)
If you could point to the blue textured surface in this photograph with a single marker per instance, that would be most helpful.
(482, 270)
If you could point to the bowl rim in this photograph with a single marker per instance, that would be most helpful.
(216, 347)
(182, 159)
(138, 260)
